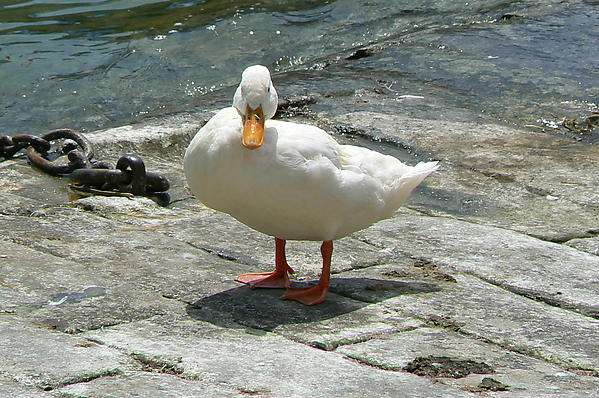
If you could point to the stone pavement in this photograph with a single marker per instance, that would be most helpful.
(487, 284)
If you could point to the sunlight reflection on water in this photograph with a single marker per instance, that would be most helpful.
(94, 63)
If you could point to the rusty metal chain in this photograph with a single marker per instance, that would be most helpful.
(89, 176)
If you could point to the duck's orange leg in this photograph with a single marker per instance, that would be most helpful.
(277, 279)
(315, 294)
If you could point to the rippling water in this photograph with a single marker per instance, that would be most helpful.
(94, 63)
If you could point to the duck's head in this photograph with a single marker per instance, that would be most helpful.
(256, 100)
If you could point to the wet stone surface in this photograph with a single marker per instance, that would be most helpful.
(486, 284)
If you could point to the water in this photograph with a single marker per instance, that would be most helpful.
(88, 64)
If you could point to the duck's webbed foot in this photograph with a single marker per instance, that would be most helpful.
(307, 295)
(315, 294)
(273, 280)
(277, 279)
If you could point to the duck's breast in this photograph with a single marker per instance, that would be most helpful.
(294, 187)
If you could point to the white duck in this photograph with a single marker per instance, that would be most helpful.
(291, 181)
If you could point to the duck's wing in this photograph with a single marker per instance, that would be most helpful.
(392, 180)
(300, 145)
(383, 168)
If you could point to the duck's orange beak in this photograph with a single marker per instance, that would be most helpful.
(253, 128)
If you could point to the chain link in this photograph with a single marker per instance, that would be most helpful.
(89, 176)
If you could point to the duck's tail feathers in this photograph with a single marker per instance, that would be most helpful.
(404, 186)
(421, 170)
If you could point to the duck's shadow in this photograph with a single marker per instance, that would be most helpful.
(262, 309)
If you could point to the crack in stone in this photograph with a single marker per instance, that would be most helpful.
(591, 233)
(183, 199)
(83, 378)
(370, 243)
(221, 254)
(565, 238)
(333, 345)
(358, 267)
(373, 363)
(38, 248)
(150, 363)
(444, 322)
(54, 324)
(252, 392)
(543, 297)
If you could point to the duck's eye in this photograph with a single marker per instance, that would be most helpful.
(268, 89)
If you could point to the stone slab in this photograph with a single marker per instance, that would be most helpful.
(147, 385)
(11, 388)
(524, 376)
(44, 359)
(79, 271)
(558, 274)
(498, 316)
(267, 363)
(589, 245)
